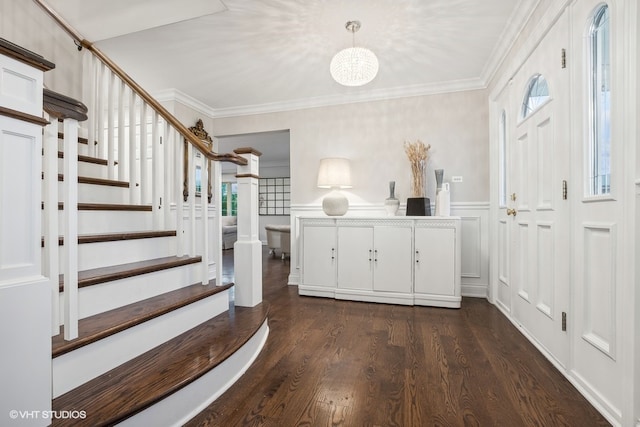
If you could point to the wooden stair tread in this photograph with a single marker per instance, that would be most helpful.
(154, 375)
(106, 207)
(95, 276)
(94, 328)
(87, 159)
(81, 140)
(119, 236)
(96, 181)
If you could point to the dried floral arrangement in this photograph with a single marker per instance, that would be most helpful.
(418, 154)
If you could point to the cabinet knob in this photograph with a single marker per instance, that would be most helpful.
(333, 250)
(369, 255)
(417, 257)
(375, 253)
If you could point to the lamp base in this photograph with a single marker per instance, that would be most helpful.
(335, 204)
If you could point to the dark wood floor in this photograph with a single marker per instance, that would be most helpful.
(342, 363)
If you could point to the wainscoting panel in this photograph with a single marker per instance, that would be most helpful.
(600, 287)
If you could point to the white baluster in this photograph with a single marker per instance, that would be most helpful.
(168, 174)
(144, 187)
(70, 215)
(122, 150)
(204, 204)
(50, 232)
(92, 88)
(155, 172)
(192, 200)
(134, 188)
(111, 126)
(100, 149)
(178, 166)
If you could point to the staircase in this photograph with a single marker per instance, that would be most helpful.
(154, 344)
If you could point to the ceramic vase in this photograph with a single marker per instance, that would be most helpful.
(391, 204)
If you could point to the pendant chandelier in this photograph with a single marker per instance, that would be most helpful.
(354, 66)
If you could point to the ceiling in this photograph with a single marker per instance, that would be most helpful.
(247, 56)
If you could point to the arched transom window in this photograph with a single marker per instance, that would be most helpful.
(536, 95)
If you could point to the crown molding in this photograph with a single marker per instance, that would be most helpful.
(374, 95)
(517, 21)
(170, 95)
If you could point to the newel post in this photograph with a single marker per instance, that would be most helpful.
(247, 250)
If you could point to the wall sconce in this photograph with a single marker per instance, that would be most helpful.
(334, 173)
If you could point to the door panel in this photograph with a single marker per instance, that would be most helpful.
(393, 264)
(355, 264)
(538, 165)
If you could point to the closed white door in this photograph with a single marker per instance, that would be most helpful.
(538, 167)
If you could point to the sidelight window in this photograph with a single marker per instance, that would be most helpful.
(503, 158)
(599, 167)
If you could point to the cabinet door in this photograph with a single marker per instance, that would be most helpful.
(355, 257)
(435, 261)
(392, 259)
(319, 256)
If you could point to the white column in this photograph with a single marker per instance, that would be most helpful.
(248, 248)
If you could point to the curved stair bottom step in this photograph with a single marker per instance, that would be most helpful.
(179, 407)
(79, 366)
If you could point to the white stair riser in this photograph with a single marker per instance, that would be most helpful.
(96, 222)
(93, 193)
(82, 148)
(118, 293)
(104, 254)
(88, 169)
(75, 368)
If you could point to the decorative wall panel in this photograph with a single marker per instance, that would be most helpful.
(545, 145)
(545, 266)
(470, 246)
(600, 287)
(523, 261)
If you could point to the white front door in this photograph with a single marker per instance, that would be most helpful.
(537, 168)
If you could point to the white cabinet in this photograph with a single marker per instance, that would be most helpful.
(406, 260)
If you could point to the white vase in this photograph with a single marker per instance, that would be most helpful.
(391, 204)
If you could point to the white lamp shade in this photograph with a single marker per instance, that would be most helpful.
(334, 172)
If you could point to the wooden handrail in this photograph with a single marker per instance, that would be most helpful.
(170, 118)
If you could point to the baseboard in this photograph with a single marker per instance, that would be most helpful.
(474, 291)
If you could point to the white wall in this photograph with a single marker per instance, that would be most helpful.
(372, 134)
